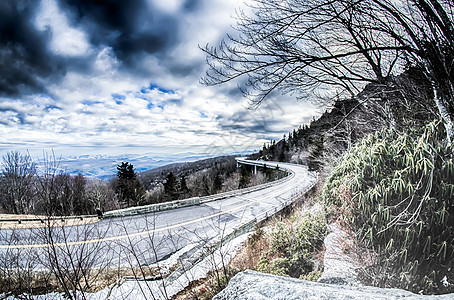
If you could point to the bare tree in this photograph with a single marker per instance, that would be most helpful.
(47, 185)
(336, 47)
(76, 256)
(16, 183)
(140, 254)
(19, 268)
(101, 196)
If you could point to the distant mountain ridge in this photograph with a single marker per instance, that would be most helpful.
(105, 166)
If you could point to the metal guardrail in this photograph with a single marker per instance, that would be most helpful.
(263, 216)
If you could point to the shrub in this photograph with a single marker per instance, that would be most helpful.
(263, 265)
(312, 276)
(255, 237)
(294, 244)
(397, 192)
(307, 234)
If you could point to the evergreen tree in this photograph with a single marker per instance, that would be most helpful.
(316, 154)
(245, 177)
(272, 148)
(268, 172)
(282, 155)
(171, 186)
(285, 144)
(295, 138)
(217, 183)
(126, 171)
(128, 188)
(264, 151)
(184, 186)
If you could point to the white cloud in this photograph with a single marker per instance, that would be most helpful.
(65, 40)
(167, 6)
(105, 61)
(83, 115)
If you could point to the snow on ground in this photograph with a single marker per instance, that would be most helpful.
(339, 268)
(160, 289)
(248, 285)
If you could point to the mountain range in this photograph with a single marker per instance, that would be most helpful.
(105, 166)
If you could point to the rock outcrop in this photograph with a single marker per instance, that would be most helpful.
(338, 266)
(251, 285)
(338, 280)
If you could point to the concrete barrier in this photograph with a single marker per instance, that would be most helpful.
(190, 262)
(131, 211)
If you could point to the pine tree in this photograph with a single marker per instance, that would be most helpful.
(129, 188)
(184, 190)
(314, 159)
(125, 171)
(268, 172)
(245, 177)
(217, 183)
(282, 156)
(171, 186)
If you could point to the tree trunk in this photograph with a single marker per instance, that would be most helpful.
(444, 115)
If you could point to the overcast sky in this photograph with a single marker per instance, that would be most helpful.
(122, 78)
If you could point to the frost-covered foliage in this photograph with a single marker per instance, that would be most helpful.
(397, 192)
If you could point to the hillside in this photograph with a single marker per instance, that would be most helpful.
(402, 103)
(151, 178)
(200, 178)
(374, 152)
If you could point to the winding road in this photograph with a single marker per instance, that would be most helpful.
(149, 238)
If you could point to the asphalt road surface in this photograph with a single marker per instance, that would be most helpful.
(149, 238)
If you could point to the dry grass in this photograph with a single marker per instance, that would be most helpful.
(41, 282)
(247, 258)
(257, 246)
(116, 276)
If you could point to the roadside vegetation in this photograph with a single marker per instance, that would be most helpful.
(45, 189)
(292, 245)
(390, 186)
(288, 244)
(386, 178)
(202, 178)
(384, 147)
(397, 192)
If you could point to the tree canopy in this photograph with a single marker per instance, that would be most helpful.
(128, 187)
(171, 185)
(125, 171)
(334, 48)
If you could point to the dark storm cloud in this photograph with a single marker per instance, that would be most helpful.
(133, 29)
(129, 27)
(192, 5)
(246, 122)
(184, 69)
(24, 57)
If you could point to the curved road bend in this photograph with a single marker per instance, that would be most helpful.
(128, 240)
